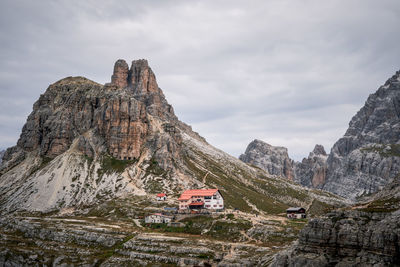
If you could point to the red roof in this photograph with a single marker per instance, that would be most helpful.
(197, 192)
(196, 204)
(161, 195)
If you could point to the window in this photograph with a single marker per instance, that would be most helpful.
(198, 200)
(214, 197)
(207, 197)
(215, 205)
(220, 206)
(207, 206)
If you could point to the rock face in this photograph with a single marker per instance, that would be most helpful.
(367, 234)
(273, 159)
(1, 155)
(311, 171)
(351, 238)
(368, 156)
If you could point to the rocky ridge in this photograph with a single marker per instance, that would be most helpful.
(367, 157)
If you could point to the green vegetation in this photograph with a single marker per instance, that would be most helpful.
(44, 162)
(208, 226)
(383, 205)
(317, 208)
(154, 168)
(234, 190)
(110, 164)
(385, 150)
(88, 159)
(111, 251)
(288, 233)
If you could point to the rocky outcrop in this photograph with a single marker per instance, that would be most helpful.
(120, 74)
(347, 238)
(367, 157)
(275, 160)
(1, 155)
(311, 171)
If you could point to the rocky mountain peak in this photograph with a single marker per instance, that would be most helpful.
(139, 78)
(367, 157)
(319, 150)
(274, 159)
(120, 74)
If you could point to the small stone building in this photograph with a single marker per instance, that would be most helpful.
(161, 197)
(296, 213)
(157, 218)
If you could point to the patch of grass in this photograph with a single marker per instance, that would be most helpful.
(88, 159)
(110, 252)
(154, 168)
(110, 164)
(318, 208)
(43, 163)
(385, 150)
(384, 205)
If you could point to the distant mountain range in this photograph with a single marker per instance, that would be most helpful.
(363, 161)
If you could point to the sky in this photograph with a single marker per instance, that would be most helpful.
(291, 73)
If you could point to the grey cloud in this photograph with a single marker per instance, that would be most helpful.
(292, 73)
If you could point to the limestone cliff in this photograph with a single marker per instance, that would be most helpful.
(367, 157)
(311, 171)
(273, 159)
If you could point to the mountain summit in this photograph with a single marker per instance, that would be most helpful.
(85, 143)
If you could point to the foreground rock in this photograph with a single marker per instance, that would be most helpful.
(368, 234)
(351, 238)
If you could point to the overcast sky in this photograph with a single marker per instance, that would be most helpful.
(291, 73)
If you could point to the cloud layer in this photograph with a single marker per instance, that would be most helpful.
(291, 73)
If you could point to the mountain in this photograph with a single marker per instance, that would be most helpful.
(273, 159)
(362, 162)
(367, 157)
(85, 143)
(311, 171)
(88, 165)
